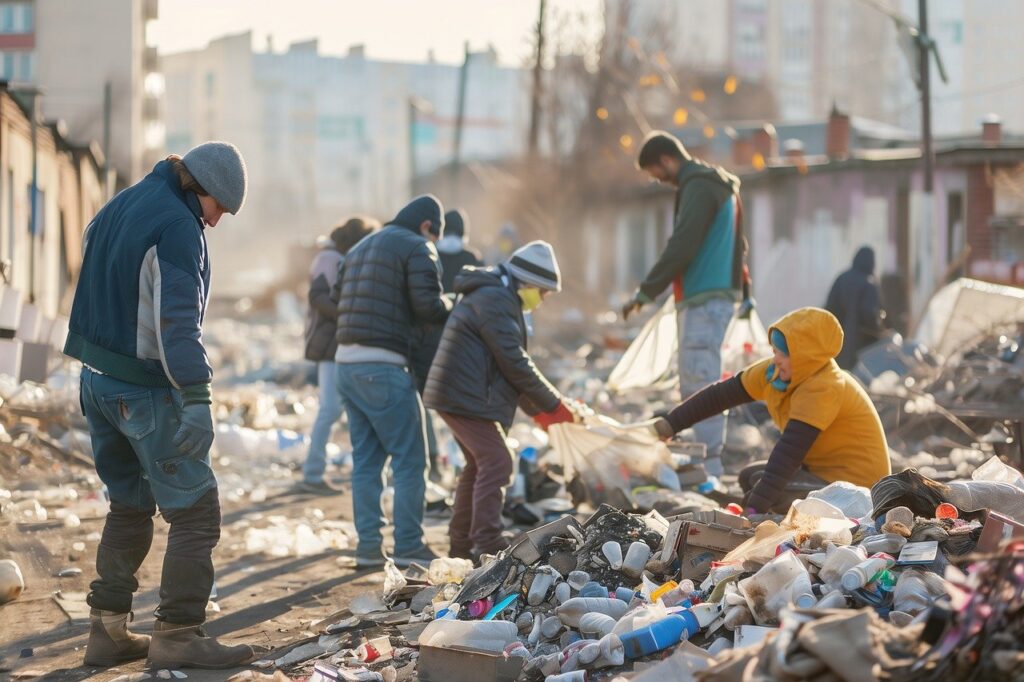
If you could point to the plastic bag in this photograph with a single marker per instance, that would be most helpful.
(767, 591)
(745, 342)
(908, 489)
(995, 470)
(650, 361)
(760, 549)
(853, 500)
(394, 582)
(976, 495)
(607, 456)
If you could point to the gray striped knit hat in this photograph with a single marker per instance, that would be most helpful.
(534, 264)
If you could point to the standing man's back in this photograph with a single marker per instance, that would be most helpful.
(703, 262)
(136, 325)
(389, 286)
(856, 302)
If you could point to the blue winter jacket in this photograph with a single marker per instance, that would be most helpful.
(143, 288)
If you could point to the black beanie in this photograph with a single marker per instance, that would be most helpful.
(425, 207)
(456, 223)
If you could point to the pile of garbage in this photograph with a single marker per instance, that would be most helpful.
(851, 584)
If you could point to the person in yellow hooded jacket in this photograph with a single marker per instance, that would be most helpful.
(830, 429)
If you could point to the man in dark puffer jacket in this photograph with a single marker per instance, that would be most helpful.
(482, 371)
(388, 286)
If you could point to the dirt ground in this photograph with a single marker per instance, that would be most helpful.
(264, 601)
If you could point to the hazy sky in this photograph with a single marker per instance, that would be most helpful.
(391, 29)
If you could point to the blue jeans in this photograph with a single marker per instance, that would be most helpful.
(701, 332)
(326, 417)
(385, 417)
(132, 428)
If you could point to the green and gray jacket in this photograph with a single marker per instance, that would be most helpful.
(704, 257)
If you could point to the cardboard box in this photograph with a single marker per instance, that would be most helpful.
(998, 528)
(528, 550)
(701, 543)
(464, 664)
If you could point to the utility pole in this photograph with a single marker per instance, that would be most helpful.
(924, 44)
(460, 118)
(412, 146)
(538, 71)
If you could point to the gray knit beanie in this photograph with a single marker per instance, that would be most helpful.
(534, 264)
(220, 169)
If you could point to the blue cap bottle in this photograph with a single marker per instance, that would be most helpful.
(660, 635)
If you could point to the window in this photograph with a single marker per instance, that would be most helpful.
(17, 17)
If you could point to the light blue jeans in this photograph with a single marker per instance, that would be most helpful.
(326, 417)
(385, 418)
(701, 332)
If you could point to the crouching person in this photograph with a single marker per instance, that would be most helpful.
(830, 429)
(482, 371)
(145, 390)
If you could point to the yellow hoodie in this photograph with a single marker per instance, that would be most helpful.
(851, 446)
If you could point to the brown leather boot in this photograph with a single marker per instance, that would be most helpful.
(187, 646)
(110, 641)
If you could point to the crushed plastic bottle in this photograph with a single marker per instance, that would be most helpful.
(571, 611)
(660, 635)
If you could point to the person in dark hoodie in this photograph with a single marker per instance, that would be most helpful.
(703, 262)
(481, 374)
(389, 285)
(321, 345)
(453, 250)
(856, 301)
(830, 429)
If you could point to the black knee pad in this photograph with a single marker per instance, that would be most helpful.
(195, 530)
(128, 528)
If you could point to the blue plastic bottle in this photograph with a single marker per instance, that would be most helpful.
(660, 635)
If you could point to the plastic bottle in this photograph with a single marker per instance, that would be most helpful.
(594, 590)
(542, 582)
(800, 591)
(737, 616)
(571, 611)
(636, 558)
(890, 543)
(607, 653)
(625, 594)
(833, 600)
(613, 553)
(563, 593)
(488, 635)
(551, 627)
(911, 593)
(839, 561)
(660, 635)
(477, 608)
(598, 624)
(577, 579)
(861, 574)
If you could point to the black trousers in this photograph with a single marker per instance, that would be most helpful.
(187, 576)
(802, 483)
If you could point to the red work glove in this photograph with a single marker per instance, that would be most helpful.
(559, 415)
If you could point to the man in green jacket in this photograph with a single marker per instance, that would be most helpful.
(703, 262)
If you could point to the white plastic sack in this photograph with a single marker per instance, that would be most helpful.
(853, 500)
(607, 456)
(995, 470)
(1001, 497)
(650, 361)
(745, 342)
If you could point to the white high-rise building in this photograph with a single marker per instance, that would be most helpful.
(326, 136)
(72, 51)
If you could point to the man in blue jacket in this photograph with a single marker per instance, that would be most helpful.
(145, 391)
(703, 262)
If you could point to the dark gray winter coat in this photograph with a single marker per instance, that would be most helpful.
(388, 285)
(482, 368)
